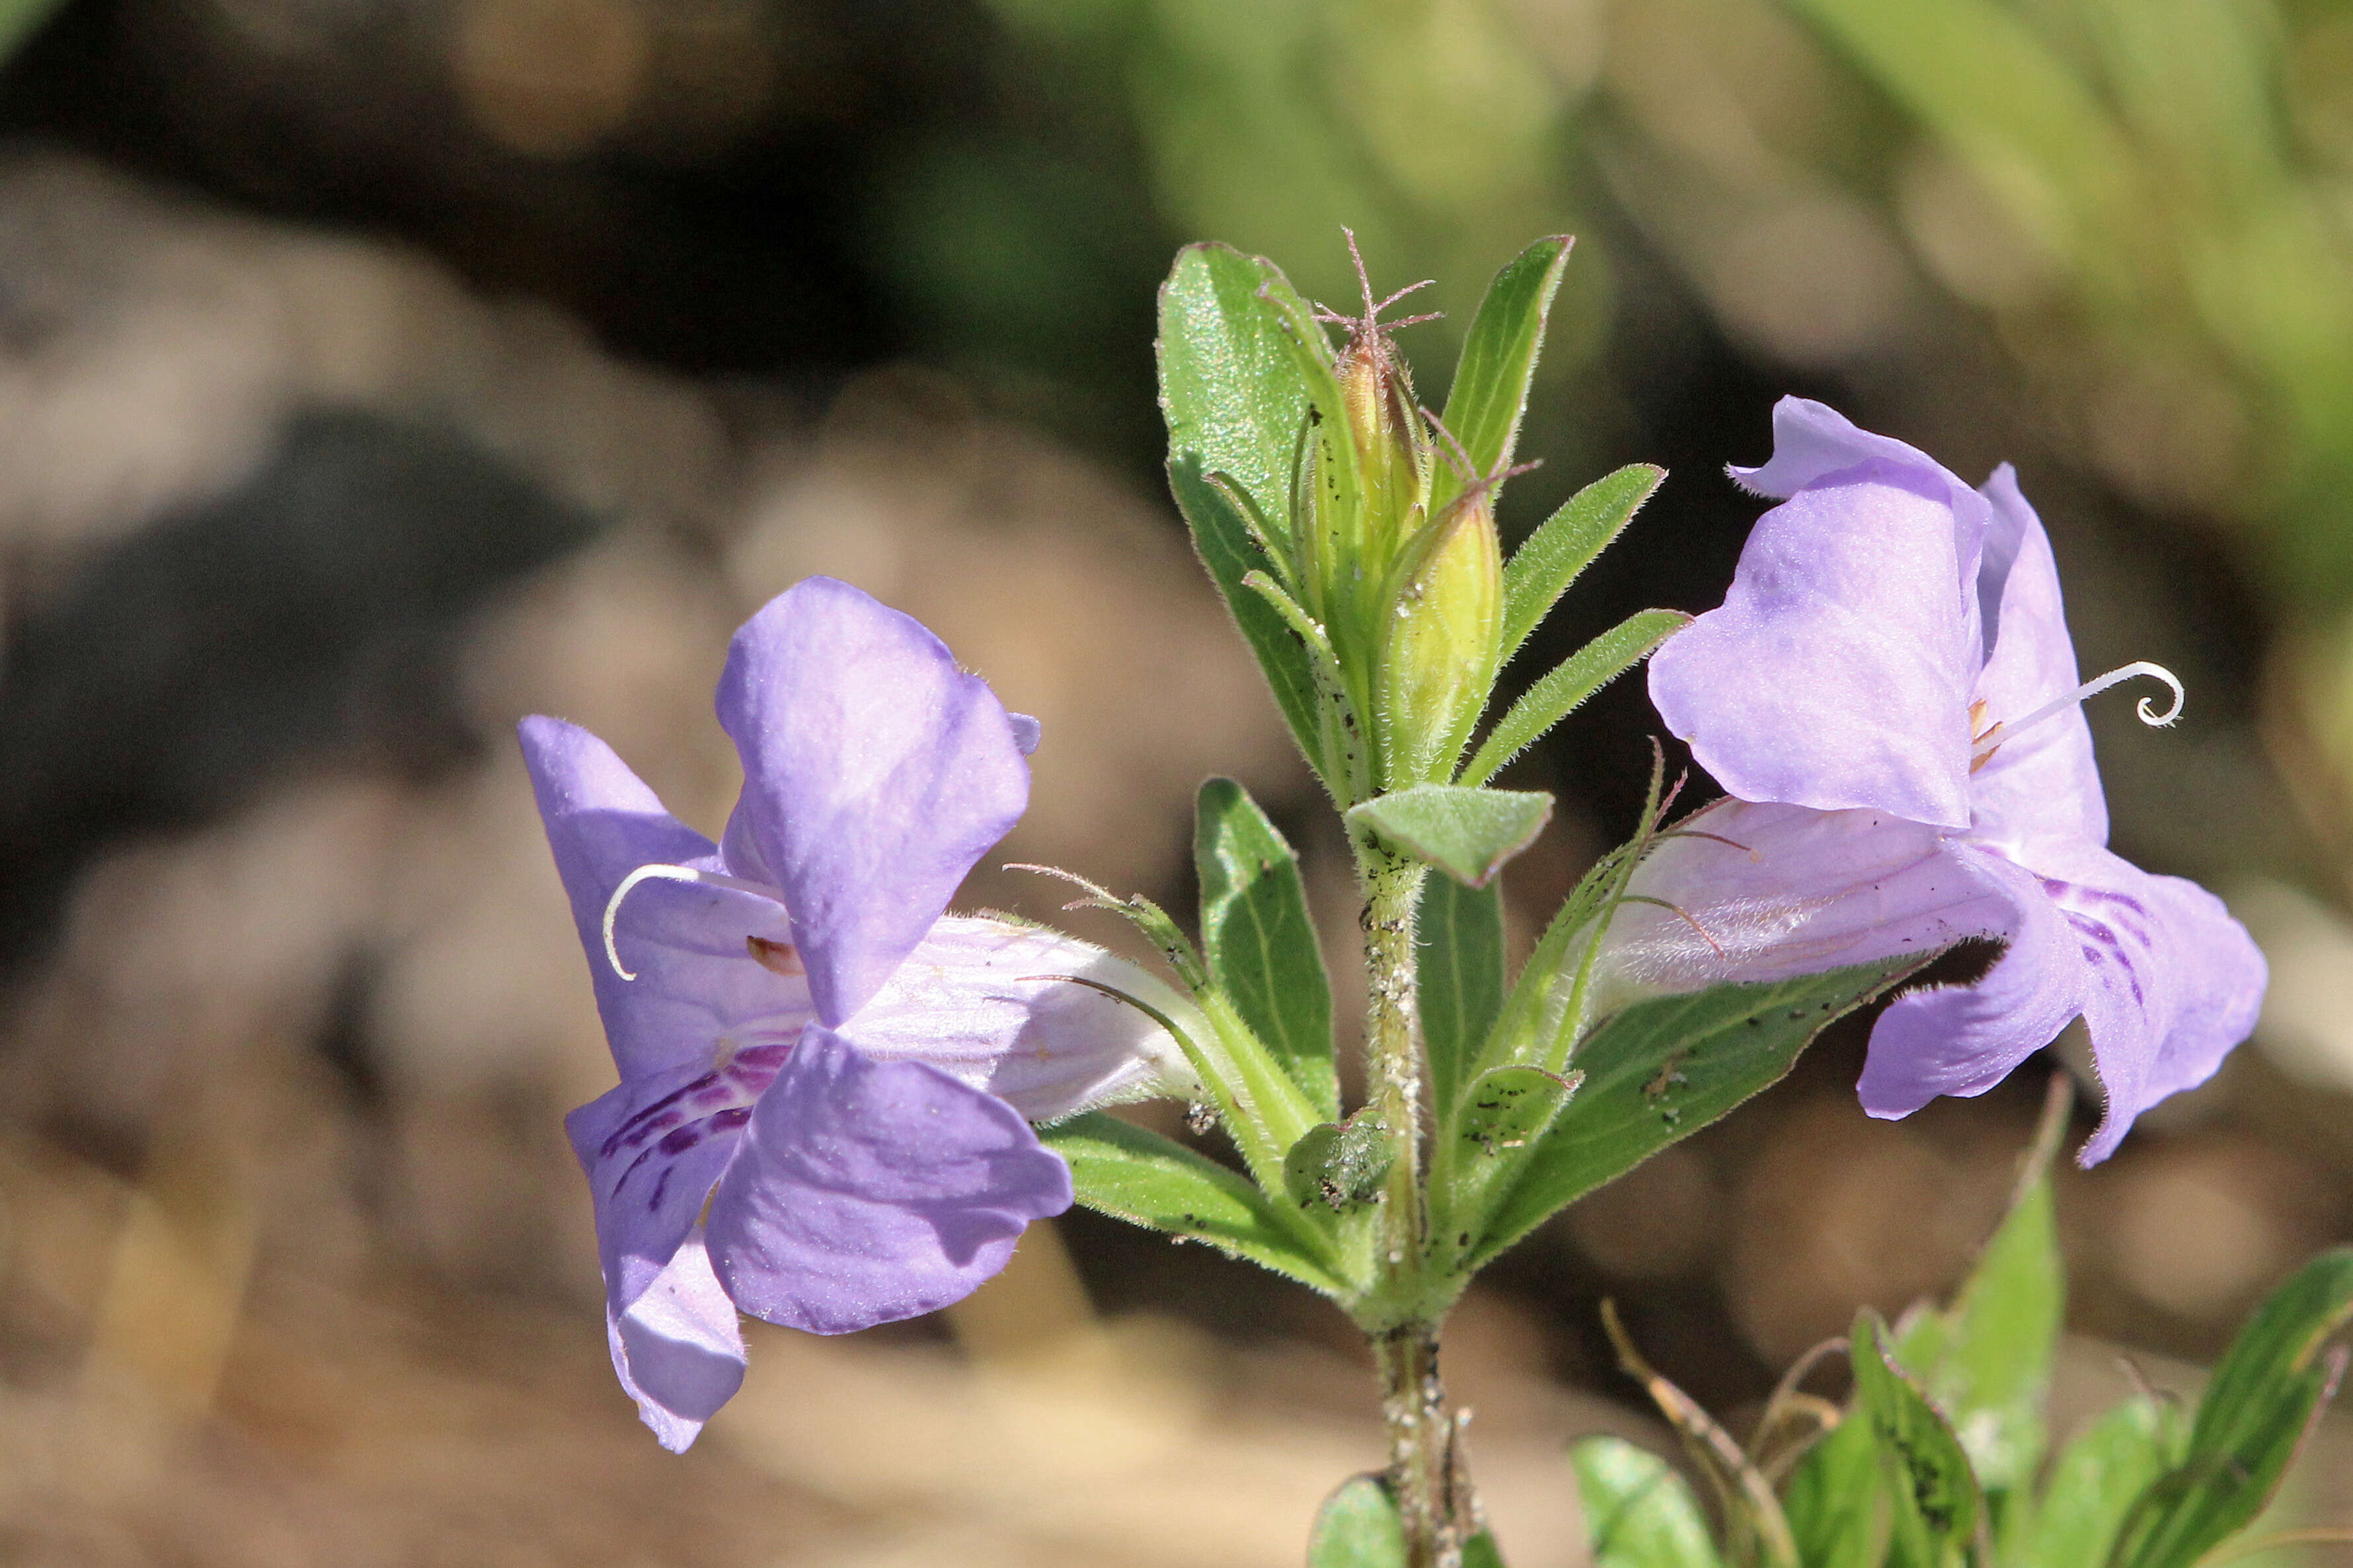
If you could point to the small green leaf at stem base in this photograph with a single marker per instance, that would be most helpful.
(2254, 1418)
(1987, 1360)
(1756, 1531)
(1939, 1510)
(1136, 1175)
(1466, 833)
(2092, 1486)
(1639, 1513)
(1259, 939)
(1358, 1528)
(1837, 1500)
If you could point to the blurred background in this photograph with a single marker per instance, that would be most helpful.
(373, 372)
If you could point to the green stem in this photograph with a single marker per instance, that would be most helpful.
(1433, 1501)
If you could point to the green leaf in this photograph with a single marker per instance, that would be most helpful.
(1459, 941)
(1229, 554)
(1937, 1504)
(1230, 384)
(1990, 1367)
(2261, 1401)
(1498, 357)
(1836, 1501)
(1639, 1513)
(1480, 1552)
(1560, 692)
(1130, 1173)
(1259, 939)
(1543, 567)
(2094, 1485)
(1662, 1069)
(1338, 1164)
(1466, 833)
(1757, 1531)
(1506, 1111)
(1358, 1528)
(1231, 389)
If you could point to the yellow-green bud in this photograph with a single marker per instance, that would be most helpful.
(1440, 646)
(1393, 451)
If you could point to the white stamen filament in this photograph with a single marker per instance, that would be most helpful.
(660, 873)
(1985, 745)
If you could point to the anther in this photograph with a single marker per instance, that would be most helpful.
(777, 957)
(660, 873)
(1983, 746)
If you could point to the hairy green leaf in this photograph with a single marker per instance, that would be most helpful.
(1459, 937)
(1466, 833)
(1543, 567)
(1259, 939)
(2261, 1401)
(1989, 1366)
(1499, 358)
(1566, 686)
(1837, 1500)
(1639, 1513)
(1235, 403)
(1359, 1528)
(2098, 1477)
(1937, 1504)
(1134, 1174)
(1229, 383)
(1662, 1069)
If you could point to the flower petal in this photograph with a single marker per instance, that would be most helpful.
(1772, 891)
(876, 772)
(652, 1148)
(872, 1191)
(1813, 441)
(695, 983)
(996, 1005)
(2044, 782)
(1837, 673)
(2173, 981)
(1964, 1039)
(679, 1351)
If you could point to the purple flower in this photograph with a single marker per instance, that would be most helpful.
(842, 1077)
(1890, 696)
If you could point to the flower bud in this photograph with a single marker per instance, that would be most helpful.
(1356, 533)
(1442, 646)
(1393, 452)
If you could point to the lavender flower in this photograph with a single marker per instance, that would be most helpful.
(1890, 696)
(843, 1077)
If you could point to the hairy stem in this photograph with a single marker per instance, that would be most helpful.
(1432, 1498)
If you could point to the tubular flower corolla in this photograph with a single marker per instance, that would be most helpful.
(1891, 699)
(826, 1087)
